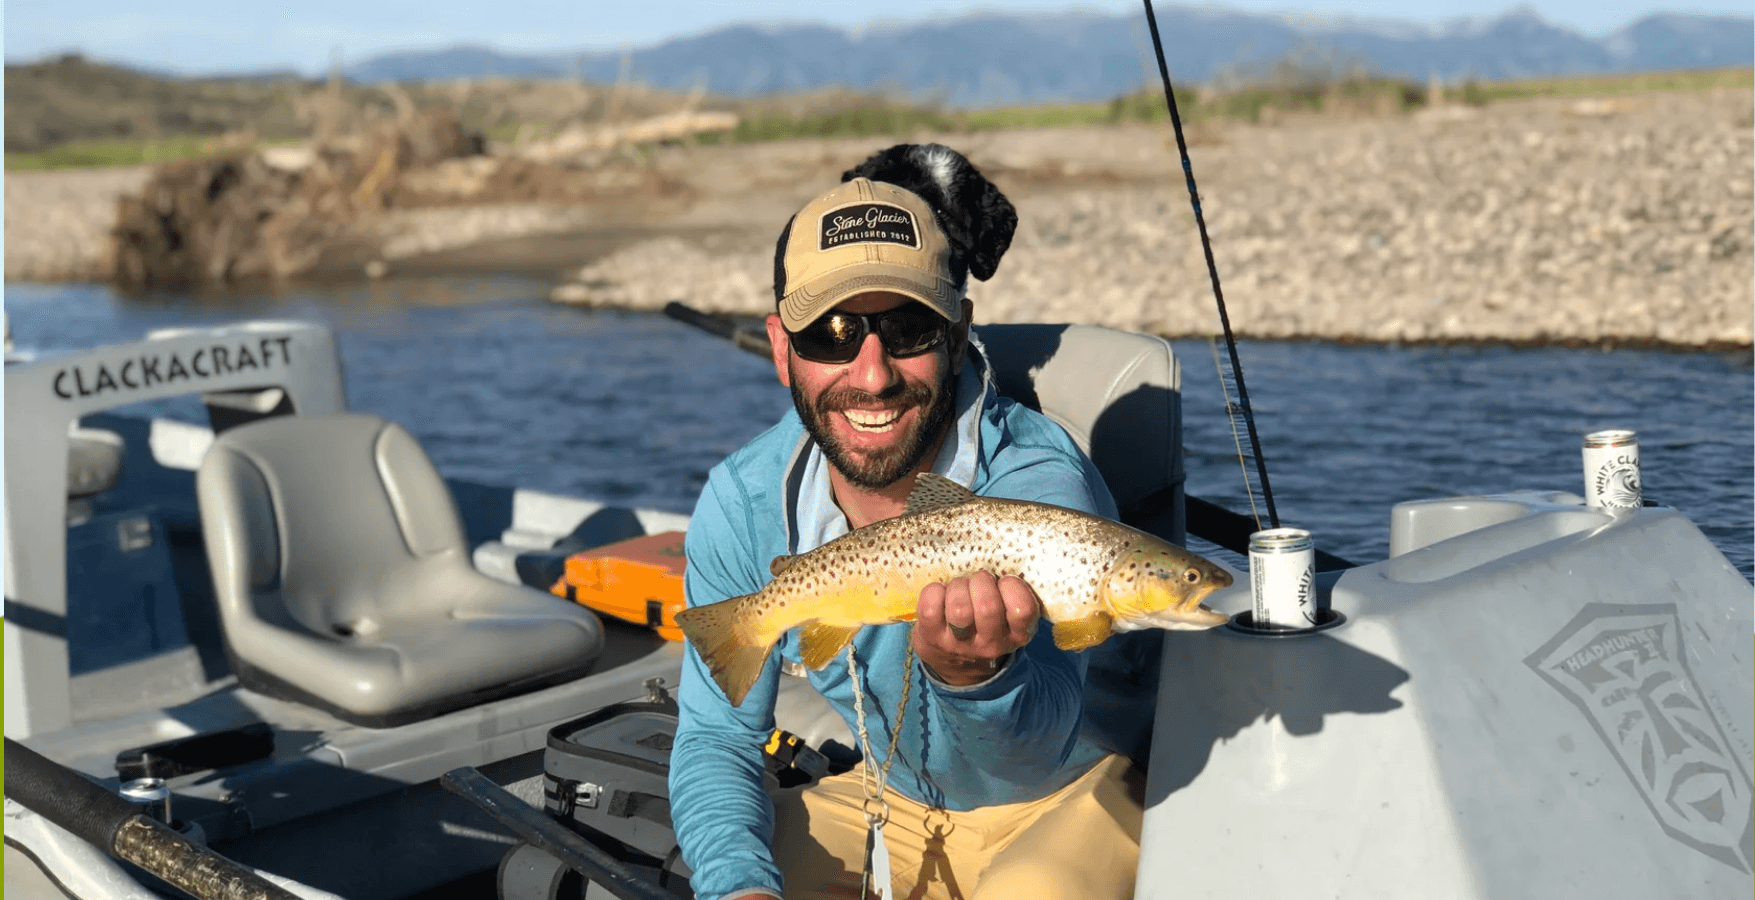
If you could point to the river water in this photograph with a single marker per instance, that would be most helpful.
(633, 408)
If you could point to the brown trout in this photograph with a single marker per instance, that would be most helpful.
(1093, 576)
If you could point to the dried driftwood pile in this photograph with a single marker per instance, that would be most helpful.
(272, 214)
(360, 192)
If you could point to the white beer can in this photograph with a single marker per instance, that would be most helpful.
(1611, 470)
(1282, 576)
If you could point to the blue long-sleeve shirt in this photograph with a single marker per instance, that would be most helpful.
(1013, 738)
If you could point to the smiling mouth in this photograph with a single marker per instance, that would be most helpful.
(872, 422)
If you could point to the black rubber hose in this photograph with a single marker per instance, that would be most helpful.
(65, 797)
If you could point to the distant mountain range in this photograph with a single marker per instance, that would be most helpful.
(995, 59)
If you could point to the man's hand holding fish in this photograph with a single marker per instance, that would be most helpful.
(970, 625)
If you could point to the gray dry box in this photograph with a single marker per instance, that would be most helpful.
(608, 775)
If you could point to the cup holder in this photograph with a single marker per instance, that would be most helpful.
(1244, 623)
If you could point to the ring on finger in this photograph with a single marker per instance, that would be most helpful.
(962, 632)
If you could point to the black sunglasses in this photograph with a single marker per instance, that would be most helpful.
(908, 330)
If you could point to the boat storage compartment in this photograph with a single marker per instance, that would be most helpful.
(607, 775)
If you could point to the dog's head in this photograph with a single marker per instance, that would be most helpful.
(977, 218)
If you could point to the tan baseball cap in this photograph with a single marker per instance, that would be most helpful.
(865, 236)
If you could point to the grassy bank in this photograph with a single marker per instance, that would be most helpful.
(1285, 88)
(126, 118)
(111, 152)
(1609, 85)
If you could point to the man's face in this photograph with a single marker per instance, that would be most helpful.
(876, 417)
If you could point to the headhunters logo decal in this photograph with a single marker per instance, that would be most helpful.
(868, 223)
(1623, 666)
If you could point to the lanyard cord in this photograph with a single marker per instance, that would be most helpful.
(875, 778)
(875, 873)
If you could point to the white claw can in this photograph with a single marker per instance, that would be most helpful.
(1611, 470)
(1282, 577)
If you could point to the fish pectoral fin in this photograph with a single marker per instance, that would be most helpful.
(819, 642)
(933, 491)
(780, 564)
(1079, 634)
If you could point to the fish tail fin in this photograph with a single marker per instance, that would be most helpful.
(732, 653)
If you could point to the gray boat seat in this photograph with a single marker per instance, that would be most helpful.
(1117, 393)
(343, 578)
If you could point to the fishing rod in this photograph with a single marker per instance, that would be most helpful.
(1206, 245)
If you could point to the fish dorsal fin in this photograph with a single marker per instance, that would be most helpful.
(933, 491)
(780, 564)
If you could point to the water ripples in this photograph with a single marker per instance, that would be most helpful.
(1349, 431)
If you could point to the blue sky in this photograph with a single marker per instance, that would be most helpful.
(206, 36)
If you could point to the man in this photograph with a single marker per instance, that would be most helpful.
(991, 791)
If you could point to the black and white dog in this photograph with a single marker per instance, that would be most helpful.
(977, 218)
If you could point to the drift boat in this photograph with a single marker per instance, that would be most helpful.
(287, 640)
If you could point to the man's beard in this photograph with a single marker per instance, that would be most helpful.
(883, 468)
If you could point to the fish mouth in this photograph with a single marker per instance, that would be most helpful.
(1182, 618)
(1193, 614)
(1202, 616)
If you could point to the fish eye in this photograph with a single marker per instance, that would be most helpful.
(1191, 575)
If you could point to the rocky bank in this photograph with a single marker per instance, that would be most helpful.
(1625, 220)
(1620, 220)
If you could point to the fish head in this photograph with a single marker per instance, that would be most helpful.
(1153, 584)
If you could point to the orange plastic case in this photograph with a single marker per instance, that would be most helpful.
(638, 581)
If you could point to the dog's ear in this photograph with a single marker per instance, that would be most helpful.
(994, 221)
(889, 165)
(975, 216)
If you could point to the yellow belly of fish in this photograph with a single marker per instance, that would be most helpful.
(847, 605)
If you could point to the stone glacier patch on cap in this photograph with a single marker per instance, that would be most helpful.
(870, 236)
(868, 223)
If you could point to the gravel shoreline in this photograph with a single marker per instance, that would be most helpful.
(1625, 220)
(1588, 221)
